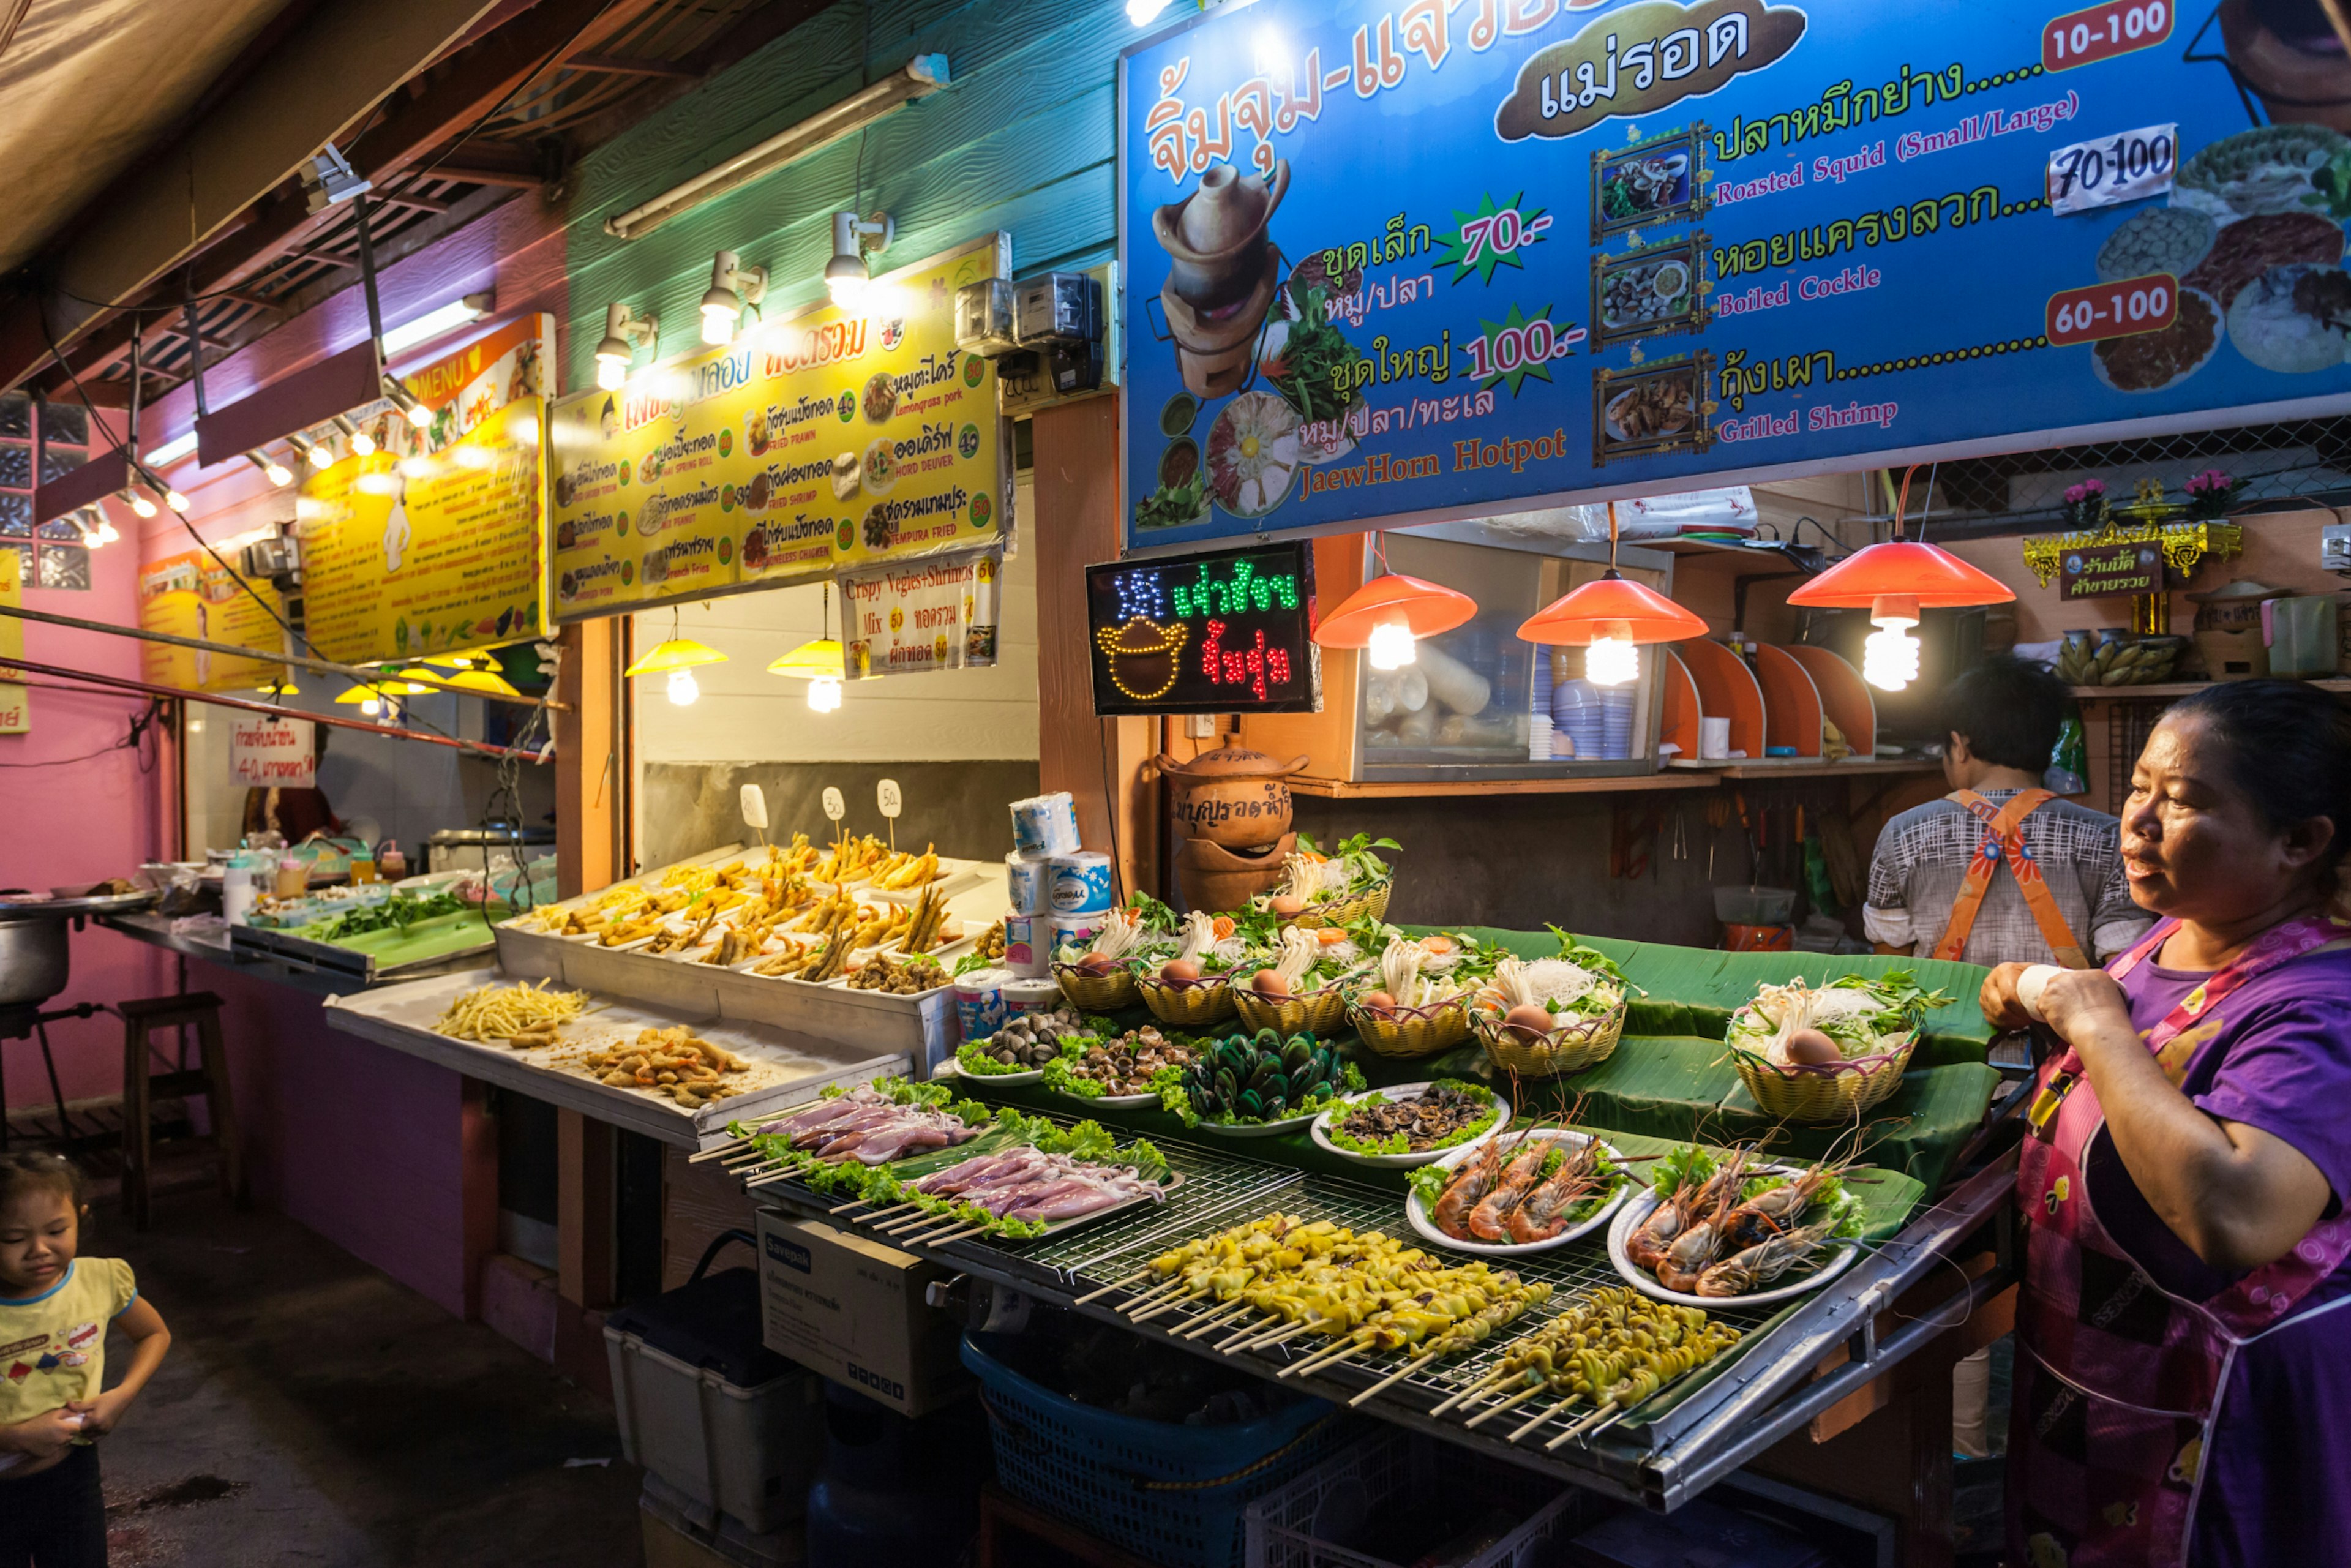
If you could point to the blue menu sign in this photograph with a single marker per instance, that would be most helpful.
(1413, 261)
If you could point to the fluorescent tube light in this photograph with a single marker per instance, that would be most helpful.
(172, 450)
(918, 78)
(434, 323)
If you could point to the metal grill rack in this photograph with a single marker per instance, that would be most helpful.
(1664, 1451)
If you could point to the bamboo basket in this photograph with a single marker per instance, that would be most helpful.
(1195, 1006)
(1097, 993)
(1318, 1012)
(1411, 1032)
(1346, 912)
(1573, 1048)
(1824, 1091)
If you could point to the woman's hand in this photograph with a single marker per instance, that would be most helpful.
(2081, 1003)
(2002, 1007)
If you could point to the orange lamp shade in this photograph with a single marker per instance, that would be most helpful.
(1612, 607)
(1933, 578)
(1424, 609)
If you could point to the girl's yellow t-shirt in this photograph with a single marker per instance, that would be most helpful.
(53, 1346)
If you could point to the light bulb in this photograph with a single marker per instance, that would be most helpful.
(176, 501)
(370, 707)
(1390, 646)
(279, 474)
(140, 504)
(612, 374)
(824, 693)
(1611, 662)
(717, 323)
(681, 688)
(418, 414)
(1889, 657)
(320, 457)
(362, 443)
(108, 533)
(847, 292)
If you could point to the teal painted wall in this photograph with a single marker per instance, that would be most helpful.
(1022, 141)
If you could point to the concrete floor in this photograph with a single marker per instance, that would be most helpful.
(313, 1412)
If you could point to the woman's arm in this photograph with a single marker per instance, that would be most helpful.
(150, 1339)
(2237, 1196)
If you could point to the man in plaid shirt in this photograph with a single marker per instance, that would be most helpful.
(1999, 871)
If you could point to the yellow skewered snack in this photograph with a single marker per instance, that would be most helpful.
(504, 1012)
(1612, 1348)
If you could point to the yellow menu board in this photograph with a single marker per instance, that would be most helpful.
(15, 710)
(820, 441)
(434, 543)
(191, 595)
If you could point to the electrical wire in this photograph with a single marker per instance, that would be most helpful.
(143, 728)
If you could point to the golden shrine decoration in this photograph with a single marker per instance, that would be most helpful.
(2186, 542)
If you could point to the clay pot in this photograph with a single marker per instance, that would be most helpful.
(2303, 81)
(1231, 797)
(1214, 237)
(1215, 877)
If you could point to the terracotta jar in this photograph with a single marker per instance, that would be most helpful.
(1233, 797)
(1214, 237)
(1215, 877)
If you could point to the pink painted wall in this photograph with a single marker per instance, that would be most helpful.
(64, 821)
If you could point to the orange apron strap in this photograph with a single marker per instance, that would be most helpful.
(2005, 838)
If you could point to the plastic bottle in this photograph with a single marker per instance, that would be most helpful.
(390, 863)
(293, 877)
(240, 883)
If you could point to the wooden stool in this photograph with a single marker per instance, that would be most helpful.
(140, 1019)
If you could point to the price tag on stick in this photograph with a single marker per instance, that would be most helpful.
(835, 808)
(887, 796)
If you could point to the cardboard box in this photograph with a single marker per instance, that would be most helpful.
(852, 1310)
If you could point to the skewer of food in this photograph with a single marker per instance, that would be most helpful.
(1610, 1350)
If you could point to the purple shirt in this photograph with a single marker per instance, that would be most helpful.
(2275, 1054)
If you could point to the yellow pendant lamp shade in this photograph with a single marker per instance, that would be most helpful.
(677, 654)
(486, 681)
(821, 659)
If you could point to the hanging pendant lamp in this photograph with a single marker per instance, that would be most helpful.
(1610, 618)
(1389, 615)
(821, 662)
(677, 658)
(1894, 581)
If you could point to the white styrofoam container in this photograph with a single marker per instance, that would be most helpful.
(748, 1453)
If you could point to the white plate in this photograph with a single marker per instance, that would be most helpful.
(1417, 1212)
(1110, 1101)
(1323, 1123)
(948, 1066)
(1256, 1129)
(1641, 1280)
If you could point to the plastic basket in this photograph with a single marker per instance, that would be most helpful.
(1195, 1006)
(1330, 1516)
(1171, 1494)
(1317, 1012)
(1825, 1092)
(1573, 1049)
(1411, 1032)
(1096, 993)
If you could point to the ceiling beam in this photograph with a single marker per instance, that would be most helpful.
(313, 88)
(614, 65)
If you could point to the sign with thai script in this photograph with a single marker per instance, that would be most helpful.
(1412, 260)
(200, 593)
(1229, 631)
(2094, 571)
(926, 616)
(818, 441)
(15, 710)
(273, 753)
(434, 543)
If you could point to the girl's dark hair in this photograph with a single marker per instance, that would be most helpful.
(2288, 750)
(36, 1172)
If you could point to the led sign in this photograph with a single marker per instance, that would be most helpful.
(1229, 632)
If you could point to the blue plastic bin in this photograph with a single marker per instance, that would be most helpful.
(1172, 1493)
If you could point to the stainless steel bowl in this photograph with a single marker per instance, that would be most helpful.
(34, 960)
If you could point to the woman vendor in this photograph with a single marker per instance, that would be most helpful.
(2184, 1377)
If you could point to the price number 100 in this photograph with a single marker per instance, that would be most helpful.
(2101, 32)
(2099, 310)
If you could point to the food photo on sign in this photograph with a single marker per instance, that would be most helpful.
(1413, 267)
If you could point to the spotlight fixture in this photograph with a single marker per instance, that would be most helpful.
(176, 501)
(138, 503)
(328, 179)
(277, 473)
(363, 444)
(308, 451)
(721, 306)
(415, 412)
(846, 275)
(623, 333)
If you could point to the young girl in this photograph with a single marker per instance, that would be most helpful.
(54, 1313)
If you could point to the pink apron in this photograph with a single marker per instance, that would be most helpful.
(2118, 1384)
